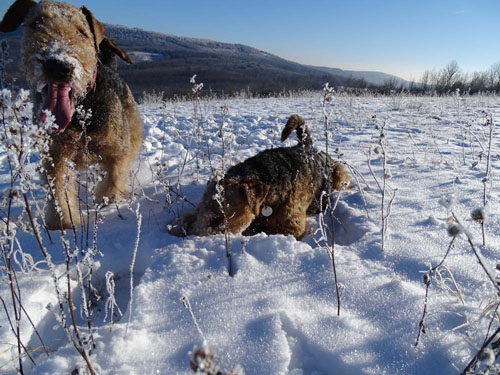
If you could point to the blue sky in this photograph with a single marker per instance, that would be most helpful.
(399, 37)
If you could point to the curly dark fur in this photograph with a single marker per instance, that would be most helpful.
(283, 169)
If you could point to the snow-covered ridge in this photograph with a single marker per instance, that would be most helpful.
(171, 43)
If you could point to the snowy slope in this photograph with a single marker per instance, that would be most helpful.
(278, 314)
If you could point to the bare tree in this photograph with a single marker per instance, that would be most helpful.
(478, 81)
(450, 76)
(494, 77)
(425, 81)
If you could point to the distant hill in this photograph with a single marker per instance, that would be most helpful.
(373, 78)
(166, 63)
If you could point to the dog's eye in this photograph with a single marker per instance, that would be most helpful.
(82, 33)
(35, 25)
(215, 222)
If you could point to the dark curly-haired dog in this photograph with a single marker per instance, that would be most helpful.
(69, 63)
(272, 192)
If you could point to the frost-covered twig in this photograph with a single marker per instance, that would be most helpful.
(17, 149)
(23, 139)
(384, 187)
(355, 173)
(187, 305)
(62, 315)
(221, 191)
(427, 282)
(480, 214)
(477, 253)
(451, 279)
(196, 92)
(328, 93)
(486, 356)
(16, 333)
(332, 248)
(138, 216)
(328, 96)
(111, 301)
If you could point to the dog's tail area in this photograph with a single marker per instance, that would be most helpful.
(295, 122)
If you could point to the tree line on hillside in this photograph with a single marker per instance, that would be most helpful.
(449, 79)
(173, 80)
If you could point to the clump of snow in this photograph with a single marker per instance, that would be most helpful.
(57, 50)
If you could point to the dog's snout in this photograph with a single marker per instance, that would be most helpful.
(57, 70)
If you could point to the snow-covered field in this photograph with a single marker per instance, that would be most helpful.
(278, 314)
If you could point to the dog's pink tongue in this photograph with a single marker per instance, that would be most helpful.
(59, 103)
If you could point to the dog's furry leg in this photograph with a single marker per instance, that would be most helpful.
(340, 177)
(282, 221)
(114, 184)
(62, 207)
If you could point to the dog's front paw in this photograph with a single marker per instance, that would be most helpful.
(109, 197)
(176, 228)
(53, 222)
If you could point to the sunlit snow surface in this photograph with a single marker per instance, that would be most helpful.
(278, 314)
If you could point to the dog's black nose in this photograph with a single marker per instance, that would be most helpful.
(57, 70)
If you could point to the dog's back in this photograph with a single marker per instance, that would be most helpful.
(279, 167)
(298, 178)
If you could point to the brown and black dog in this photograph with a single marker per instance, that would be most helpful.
(60, 49)
(272, 192)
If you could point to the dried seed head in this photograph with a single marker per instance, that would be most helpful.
(447, 202)
(486, 356)
(14, 193)
(202, 360)
(479, 215)
(454, 229)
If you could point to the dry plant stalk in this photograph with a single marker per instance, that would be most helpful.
(427, 281)
(384, 188)
(22, 139)
(490, 350)
(220, 197)
(138, 216)
(480, 215)
(328, 231)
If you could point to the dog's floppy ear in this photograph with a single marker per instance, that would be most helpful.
(256, 192)
(110, 45)
(95, 26)
(15, 15)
